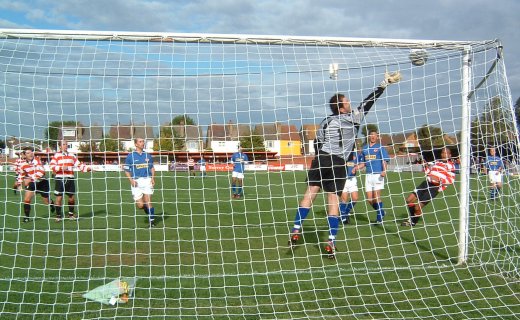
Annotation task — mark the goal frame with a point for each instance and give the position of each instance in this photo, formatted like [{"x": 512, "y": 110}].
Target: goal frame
[{"x": 463, "y": 46}]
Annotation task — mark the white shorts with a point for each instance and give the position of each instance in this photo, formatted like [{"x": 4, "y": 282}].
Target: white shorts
[
  {"x": 144, "y": 186},
  {"x": 202, "y": 168},
  {"x": 495, "y": 176},
  {"x": 238, "y": 175},
  {"x": 350, "y": 185},
  {"x": 374, "y": 182}
]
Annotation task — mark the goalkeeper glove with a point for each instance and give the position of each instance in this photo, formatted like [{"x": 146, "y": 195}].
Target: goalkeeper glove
[{"x": 390, "y": 77}]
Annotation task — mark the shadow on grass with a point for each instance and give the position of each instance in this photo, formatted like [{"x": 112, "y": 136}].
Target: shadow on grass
[
  {"x": 98, "y": 213},
  {"x": 309, "y": 235},
  {"x": 422, "y": 244},
  {"x": 361, "y": 217},
  {"x": 158, "y": 219}
]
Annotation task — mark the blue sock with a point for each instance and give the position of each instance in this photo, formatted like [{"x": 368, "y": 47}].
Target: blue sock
[
  {"x": 333, "y": 227},
  {"x": 146, "y": 210},
  {"x": 380, "y": 212},
  {"x": 342, "y": 208},
  {"x": 301, "y": 214},
  {"x": 240, "y": 190},
  {"x": 234, "y": 189},
  {"x": 151, "y": 216},
  {"x": 350, "y": 206},
  {"x": 346, "y": 210}
]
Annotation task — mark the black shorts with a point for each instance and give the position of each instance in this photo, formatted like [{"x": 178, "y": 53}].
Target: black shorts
[
  {"x": 426, "y": 191},
  {"x": 41, "y": 187},
  {"x": 64, "y": 185},
  {"x": 328, "y": 172}
]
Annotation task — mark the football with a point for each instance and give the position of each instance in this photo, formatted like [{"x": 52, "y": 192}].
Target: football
[{"x": 418, "y": 57}]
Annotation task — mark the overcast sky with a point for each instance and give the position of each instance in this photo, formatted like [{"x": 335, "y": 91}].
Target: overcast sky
[{"x": 399, "y": 19}]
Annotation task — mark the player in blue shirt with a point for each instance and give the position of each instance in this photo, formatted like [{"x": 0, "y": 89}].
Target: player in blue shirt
[
  {"x": 495, "y": 168},
  {"x": 349, "y": 197},
  {"x": 202, "y": 166},
  {"x": 140, "y": 172},
  {"x": 239, "y": 160},
  {"x": 375, "y": 158}
]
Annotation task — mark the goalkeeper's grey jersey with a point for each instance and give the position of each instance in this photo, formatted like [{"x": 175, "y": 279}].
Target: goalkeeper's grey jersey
[{"x": 337, "y": 133}]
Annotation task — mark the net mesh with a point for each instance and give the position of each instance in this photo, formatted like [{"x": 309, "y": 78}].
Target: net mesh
[{"x": 211, "y": 255}]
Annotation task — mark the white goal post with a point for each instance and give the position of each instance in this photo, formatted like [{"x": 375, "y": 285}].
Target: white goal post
[{"x": 211, "y": 254}]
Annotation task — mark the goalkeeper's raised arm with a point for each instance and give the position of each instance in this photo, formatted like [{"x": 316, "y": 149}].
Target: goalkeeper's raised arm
[{"x": 368, "y": 102}]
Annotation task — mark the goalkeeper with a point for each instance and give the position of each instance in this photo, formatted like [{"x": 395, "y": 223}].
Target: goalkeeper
[{"x": 335, "y": 139}]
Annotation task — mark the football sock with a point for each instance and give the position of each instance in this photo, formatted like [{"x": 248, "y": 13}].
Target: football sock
[
  {"x": 26, "y": 209},
  {"x": 234, "y": 188},
  {"x": 380, "y": 212},
  {"x": 301, "y": 214},
  {"x": 240, "y": 190},
  {"x": 345, "y": 209},
  {"x": 58, "y": 211},
  {"x": 151, "y": 216},
  {"x": 333, "y": 227},
  {"x": 342, "y": 208},
  {"x": 146, "y": 210},
  {"x": 350, "y": 206},
  {"x": 411, "y": 209}
]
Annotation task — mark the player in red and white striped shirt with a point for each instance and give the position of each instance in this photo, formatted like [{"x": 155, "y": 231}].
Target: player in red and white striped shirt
[
  {"x": 191, "y": 166},
  {"x": 62, "y": 165},
  {"x": 439, "y": 175},
  {"x": 32, "y": 177},
  {"x": 17, "y": 186}
]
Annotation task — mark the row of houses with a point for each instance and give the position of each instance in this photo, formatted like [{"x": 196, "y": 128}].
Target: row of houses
[{"x": 282, "y": 139}]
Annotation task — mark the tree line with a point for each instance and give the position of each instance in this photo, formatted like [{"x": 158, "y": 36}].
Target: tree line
[{"x": 492, "y": 127}]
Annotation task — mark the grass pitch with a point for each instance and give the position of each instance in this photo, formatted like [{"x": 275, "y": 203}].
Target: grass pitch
[{"x": 211, "y": 257}]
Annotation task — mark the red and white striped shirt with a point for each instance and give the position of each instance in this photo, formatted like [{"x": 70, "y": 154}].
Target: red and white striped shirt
[
  {"x": 443, "y": 172},
  {"x": 32, "y": 169},
  {"x": 18, "y": 166},
  {"x": 63, "y": 164}
]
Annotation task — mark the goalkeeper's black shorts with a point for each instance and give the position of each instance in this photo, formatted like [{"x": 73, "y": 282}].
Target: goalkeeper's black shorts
[{"x": 328, "y": 172}]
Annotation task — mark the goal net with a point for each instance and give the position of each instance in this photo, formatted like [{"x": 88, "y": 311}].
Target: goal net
[{"x": 215, "y": 254}]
